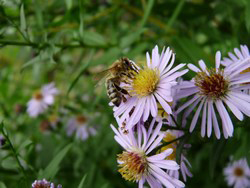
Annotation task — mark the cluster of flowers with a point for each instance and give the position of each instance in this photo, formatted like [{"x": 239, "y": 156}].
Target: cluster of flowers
[
  {"x": 44, "y": 98},
  {"x": 152, "y": 104}
]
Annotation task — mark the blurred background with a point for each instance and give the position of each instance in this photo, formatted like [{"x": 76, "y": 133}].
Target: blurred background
[{"x": 68, "y": 42}]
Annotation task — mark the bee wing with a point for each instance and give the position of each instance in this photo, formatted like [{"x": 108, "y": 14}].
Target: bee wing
[{"x": 101, "y": 77}]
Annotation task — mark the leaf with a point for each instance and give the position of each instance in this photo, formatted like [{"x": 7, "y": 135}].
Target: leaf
[
  {"x": 215, "y": 155},
  {"x": 2, "y": 185},
  {"x": 94, "y": 39},
  {"x": 69, "y": 4},
  {"x": 53, "y": 167},
  {"x": 23, "y": 25},
  {"x": 81, "y": 71},
  {"x": 147, "y": 12},
  {"x": 131, "y": 38},
  {"x": 25, "y": 144},
  {"x": 247, "y": 16},
  {"x": 81, "y": 25},
  {"x": 82, "y": 181}
]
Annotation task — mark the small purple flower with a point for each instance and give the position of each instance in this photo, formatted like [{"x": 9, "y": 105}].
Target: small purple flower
[
  {"x": 213, "y": 90},
  {"x": 44, "y": 184},
  {"x": 237, "y": 174},
  {"x": 138, "y": 163}
]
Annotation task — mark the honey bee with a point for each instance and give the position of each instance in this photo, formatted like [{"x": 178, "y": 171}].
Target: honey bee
[{"x": 120, "y": 71}]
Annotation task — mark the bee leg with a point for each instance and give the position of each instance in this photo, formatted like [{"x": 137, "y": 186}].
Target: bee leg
[{"x": 124, "y": 98}]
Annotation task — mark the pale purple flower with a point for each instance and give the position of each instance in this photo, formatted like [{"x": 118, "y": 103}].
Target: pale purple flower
[
  {"x": 79, "y": 124},
  {"x": 237, "y": 174},
  {"x": 2, "y": 141},
  {"x": 138, "y": 162},
  {"x": 42, "y": 100},
  {"x": 213, "y": 90},
  {"x": 44, "y": 184},
  {"x": 240, "y": 55},
  {"x": 150, "y": 88}
]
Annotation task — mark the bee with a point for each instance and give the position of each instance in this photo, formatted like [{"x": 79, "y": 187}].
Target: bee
[{"x": 121, "y": 70}]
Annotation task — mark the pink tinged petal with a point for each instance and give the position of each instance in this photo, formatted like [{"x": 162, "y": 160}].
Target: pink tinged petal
[
  {"x": 163, "y": 180},
  {"x": 153, "y": 182},
  {"x": 193, "y": 67},
  {"x": 155, "y": 143},
  {"x": 238, "y": 53},
  {"x": 151, "y": 128},
  {"x": 226, "y": 61},
  {"x": 154, "y": 135},
  {"x": 160, "y": 156},
  {"x": 154, "y": 109},
  {"x": 165, "y": 59},
  {"x": 173, "y": 71},
  {"x": 185, "y": 105},
  {"x": 167, "y": 164},
  {"x": 164, "y": 96},
  {"x": 164, "y": 104},
  {"x": 147, "y": 109},
  {"x": 155, "y": 57},
  {"x": 141, "y": 110},
  {"x": 157, "y": 172},
  {"x": 189, "y": 110},
  {"x": 137, "y": 111},
  {"x": 141, "y": 182},
  {"x": 234, "y": 109},
  {"x": 209, "y": 119},
  {"x": 145, "y": 137},
  {"x": 227, "y": 123},
  {"x": 242, "y": 96},
  {"x": 232, "y": 56},
  {"x": 217, "y": 60},
  {"x": 203, "y": 123},
  {"x": 186, "y": 93},
  {"x": 195, "y": 118},
  {"x": 202, "y": 66},
  {"x": 148, "y": 60},
  {"x": 240, "y": 104},
  {"x": 165, "y": 70},
  {"x": 174, "y": 75},
  {"x": 215, "y": 124},
  {"x": 139, "y": 136}
]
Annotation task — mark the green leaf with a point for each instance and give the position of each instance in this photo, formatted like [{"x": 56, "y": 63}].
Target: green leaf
[
  {"x": 69, "y": 4},
  {"x": 131, "y": 38},
  {"x": 147, "y": 12},
  {"x": 94, "y": 39},
  {"x": 81, "y": 71},
  {"x": 82, "y": 181},
  {"x": 25, "y": 144},
  {"x": 23, "y": 25},
  {"x": 2, "y": 185},
  {"x": 53, "y": 167},
  {"x": 81, "y": 25},
  {"x": 247, "y": 16}
]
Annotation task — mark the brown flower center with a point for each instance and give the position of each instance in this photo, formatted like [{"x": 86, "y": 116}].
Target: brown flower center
[
  {"x": 132, "y": 165},
  {"x": 38, "y": 96},
  {"x": 214, "y": 85},
  {"x": 81, "y": 120},
  {"x": 238, "y": 172}
]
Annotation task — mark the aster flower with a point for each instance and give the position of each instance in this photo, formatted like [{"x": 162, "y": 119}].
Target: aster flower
[
  {"x": 240, "y": 55},
  {"x": 42, "y": 99},
  {"x": 150, "y": 88},
  {"x": 80, "y": 125},
  {"x": 44, "y": 184},
  {"x": 215, "y": 89},
  {"x": 138, "y": 164},
  {"x": 171, "y": 135},
  {"x": 237, "y": 174},
  {"x": 2, "y": 141}
]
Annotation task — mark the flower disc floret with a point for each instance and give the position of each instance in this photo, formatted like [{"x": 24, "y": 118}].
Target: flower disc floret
[
  {"x": 133, "y": 165},
  {"x": 145, "y": 82},
  {"x": 214, "y": 85}
]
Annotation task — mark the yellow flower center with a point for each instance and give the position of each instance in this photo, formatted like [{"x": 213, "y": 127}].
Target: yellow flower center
[
  {"x": 38, "y": 95},
  {"x": 145, "y": 82},
  {"x": 214, "y": 85},
  {"x": 168, "y": 138},
  {"x": 80, "y": 120},
  {"x": 133, "y": 165},
  {"x": 238, "y": 172}
]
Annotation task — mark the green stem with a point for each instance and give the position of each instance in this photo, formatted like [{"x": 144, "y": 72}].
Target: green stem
[
  {"x": 176, "y": 13},
  {"x": 13, "y": 150}
]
